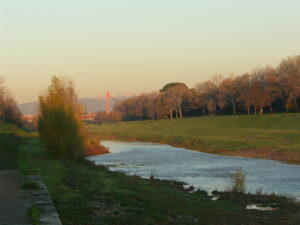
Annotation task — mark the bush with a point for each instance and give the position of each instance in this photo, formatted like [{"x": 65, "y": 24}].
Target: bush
[
  {"x": 93, "y": 147},
  {"x": 59, "y": 122},
  {"x": 238, "y": 182}
]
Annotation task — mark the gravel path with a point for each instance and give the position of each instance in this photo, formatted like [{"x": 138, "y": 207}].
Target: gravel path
[{"x": 15, "y": 203}]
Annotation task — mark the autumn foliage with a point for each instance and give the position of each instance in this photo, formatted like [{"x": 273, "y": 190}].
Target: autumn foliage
[
  {"x": 59, "y": 123},
  {"x": 9, "y": 112},
  {"x": 264, "y": 90}
]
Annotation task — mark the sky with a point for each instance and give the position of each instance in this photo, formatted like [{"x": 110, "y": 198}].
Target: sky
[{"x": 134, "y": 46}]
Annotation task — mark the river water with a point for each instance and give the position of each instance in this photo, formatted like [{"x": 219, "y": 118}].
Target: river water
[{"x": 201, "y": 170}]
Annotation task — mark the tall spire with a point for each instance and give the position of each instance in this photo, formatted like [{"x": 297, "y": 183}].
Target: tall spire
[{"x": 107, "y": 103}]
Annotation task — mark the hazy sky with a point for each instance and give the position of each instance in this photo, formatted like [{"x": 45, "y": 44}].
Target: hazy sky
[{"x": 132, "y": 46}]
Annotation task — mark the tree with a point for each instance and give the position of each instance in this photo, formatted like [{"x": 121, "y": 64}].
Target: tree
[
  {"x": 174, "y": 93},
  {"x": 289, "y": 71},
  {"x": 59, "y": 122},
  {"x": 152, "y": 105},
  {"x": 102, "y": 116},
  {"x": 229, "y": 93},
  {"x": 9, "y": 111},
  {"x": 209, "y": 95},
  {"x": 271, "y": 87},
  {"x": 264, "y": 89}
]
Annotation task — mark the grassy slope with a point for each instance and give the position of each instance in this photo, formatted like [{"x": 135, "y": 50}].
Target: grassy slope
[
  {"x": 87, "y": 194},
  {"x": 270, "y": 136}
]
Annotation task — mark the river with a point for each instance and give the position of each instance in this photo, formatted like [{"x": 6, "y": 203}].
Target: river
[{"x": 201, "y": 170}]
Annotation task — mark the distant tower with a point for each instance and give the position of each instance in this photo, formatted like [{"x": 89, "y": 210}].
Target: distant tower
[{"x": 107, "y": 103}]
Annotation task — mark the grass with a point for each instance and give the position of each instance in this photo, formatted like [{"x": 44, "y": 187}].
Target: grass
[
  {"x": 274, "y": 136},
  {"x": 9, "y": 143},
  {"x": 35, "y": 215},
  {"x": 246, "y": 198},
  {"x": 87, "y": 194},
  {"x": 30, "y": 185}
]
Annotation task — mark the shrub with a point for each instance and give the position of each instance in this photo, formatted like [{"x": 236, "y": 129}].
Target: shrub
[
  {"x": 238, "y": 181},
  {"x": 27, "y": 169},
  {"x": 93, "y": 147},
  {"x": 59, "y": 123}
]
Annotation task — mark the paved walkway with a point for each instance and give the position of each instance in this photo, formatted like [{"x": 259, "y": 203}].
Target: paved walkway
[{"x": 15, "y": 203}]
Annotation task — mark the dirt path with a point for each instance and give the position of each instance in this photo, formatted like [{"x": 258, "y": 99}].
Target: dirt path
[{"x": 15, "y": 203}]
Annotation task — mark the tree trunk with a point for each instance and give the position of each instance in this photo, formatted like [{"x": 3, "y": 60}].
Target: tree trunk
[
  {"x": 180, "y": 114},
  {"x": 261, "y": 110},
  {"x": 171, "y": 115},
  {"x": 271, "y": 109},
  {"x": 234, "y": 111},
  {"x": 296, "y": 103},
  {"x": 233, "y": 106}
]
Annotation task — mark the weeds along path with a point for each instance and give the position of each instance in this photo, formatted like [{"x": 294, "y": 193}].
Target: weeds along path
[{"x": 15, "y": 202}]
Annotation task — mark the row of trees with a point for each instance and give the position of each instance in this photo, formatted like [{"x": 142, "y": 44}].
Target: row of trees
[
  {"x": 263, "y": 90},
  {"x": 9, "y": 112}
]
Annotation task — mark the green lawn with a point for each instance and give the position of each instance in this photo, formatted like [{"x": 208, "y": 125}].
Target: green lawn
[{"x": 274, "y": 136}]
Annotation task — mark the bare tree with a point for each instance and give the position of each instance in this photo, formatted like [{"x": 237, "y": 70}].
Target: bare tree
[
  {"x": 264, "y": 89},
  {"x": 175, "y": 94},
  {"x": 229, "y": 93},
  {"x": 289, "y": 70},
  {"x": 9, "y": 111}
]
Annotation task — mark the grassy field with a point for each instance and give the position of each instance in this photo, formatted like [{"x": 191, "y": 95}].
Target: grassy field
[
  {"x": 274, "y": 136},
  {"x": 85, "y": 194}
]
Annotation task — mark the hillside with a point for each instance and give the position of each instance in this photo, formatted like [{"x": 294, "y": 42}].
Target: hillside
[
  {"x": 90, "y": 104},
  {"x": 274, "y": 136}
]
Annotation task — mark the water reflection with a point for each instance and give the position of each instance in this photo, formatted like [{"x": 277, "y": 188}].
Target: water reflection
[{"x": 202, "y": 170}]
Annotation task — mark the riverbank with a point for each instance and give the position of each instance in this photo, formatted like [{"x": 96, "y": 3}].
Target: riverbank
[
  {"x": 87, "y": 194},
  {"x": 275, "y": 136},
  {"x": 201, "y": 170}
]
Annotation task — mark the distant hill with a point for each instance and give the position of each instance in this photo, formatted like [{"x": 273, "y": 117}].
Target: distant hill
[
  {"x": 90, "y": 104},
  {"x": 29, "y": 108}
]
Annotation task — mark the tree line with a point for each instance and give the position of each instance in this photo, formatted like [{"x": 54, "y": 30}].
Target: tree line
[
  {"x": 265, "y": 90},
  {"x": 9, "y": 112}
]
